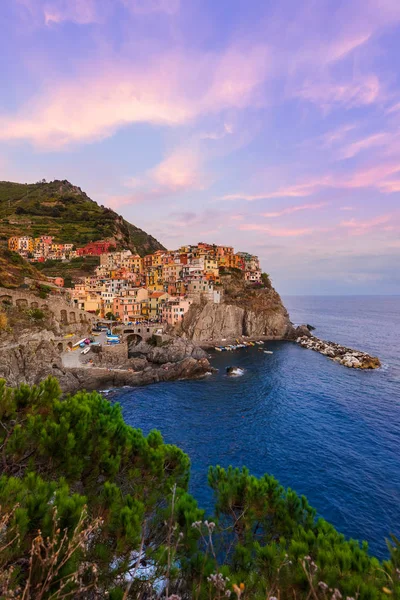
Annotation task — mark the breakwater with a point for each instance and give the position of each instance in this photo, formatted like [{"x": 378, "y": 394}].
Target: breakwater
[{"x": 353, "y": 359}]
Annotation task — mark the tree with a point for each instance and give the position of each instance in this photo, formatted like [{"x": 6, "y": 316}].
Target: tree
[
  {"x": 110, "y": 316},
  {"x": 90, "y": 507},
  {"x": 68, "y": 283}
]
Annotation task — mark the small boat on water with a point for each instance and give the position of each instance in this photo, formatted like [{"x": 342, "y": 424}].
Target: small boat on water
[{"x": 268, "y": 352}]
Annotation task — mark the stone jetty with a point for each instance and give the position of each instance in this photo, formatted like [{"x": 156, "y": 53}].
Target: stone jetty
[{"x": 353, "y": 359}]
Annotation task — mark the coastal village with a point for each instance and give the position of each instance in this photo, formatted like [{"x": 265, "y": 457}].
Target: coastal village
[{"x": 158, "y": 287}]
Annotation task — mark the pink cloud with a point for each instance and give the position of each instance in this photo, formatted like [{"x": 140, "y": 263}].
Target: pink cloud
[
  {"x": 357, "y": 227},
  {"x": 337, "y": 135},
  {"x": 329, "y": 94},
  {"x": 372, "y": 141},
  {"x": 180, "y": 171},
  {"x": 292, "y": 209},
  {"x": 296, "y": 191},
  {"x": 172, "y": 90},
  {"x": 371, "y": 177},
  {"x": 277, "y": 232},
  {"x": 374, "y": 177},
  {"x": 393, "y": 109}
]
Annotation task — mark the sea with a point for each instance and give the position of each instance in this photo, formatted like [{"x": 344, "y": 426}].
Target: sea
[{"x": 328, "y": 432}]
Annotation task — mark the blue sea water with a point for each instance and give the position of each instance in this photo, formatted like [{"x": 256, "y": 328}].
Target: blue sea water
[{"x": 328, "y": 432}]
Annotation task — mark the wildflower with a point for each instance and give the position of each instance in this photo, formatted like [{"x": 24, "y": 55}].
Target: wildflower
[
  {"x": 237, "y": 590},
  {"x": 323, "y": 585}
]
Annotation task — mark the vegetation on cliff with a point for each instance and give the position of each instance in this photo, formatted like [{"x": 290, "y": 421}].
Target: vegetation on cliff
[
  {"x": 64, "y": 211},
  {"x": 91, "y": 508},
  {"x": 14, "y": 269}
]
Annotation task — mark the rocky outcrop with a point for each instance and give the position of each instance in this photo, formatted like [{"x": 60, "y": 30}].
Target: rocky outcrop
[
  {"x": 30, "y": 361},
  {"x": 98, "y": 378},
  {"x": 353, "y": 359},
  {"x": 253, "y": 313},
  {"x": 140, "y": 365},
  {"x": 37, "y": 357}
]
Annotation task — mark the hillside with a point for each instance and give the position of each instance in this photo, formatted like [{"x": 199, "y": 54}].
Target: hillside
[
  {"x": 14, "y": 269},
  {"x": 64, "y": 211}
]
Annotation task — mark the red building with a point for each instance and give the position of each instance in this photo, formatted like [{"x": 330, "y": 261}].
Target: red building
[{"x": 94, "y": 248}]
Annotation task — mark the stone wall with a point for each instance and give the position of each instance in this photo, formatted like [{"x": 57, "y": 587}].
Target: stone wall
[
  {"x": 144, "y": 332},
  {"x": 63, "y": 311}
]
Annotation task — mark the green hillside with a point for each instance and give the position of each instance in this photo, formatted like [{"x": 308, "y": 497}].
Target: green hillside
[
  {"x": 14, "y": 269},
  {"x": 62, "y": 210}
]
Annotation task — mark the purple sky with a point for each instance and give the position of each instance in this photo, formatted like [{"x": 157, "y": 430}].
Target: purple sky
[{"x": 270, "y": 126}]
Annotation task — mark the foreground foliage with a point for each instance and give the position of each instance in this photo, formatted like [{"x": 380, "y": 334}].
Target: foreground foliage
[{"x": 91, "y": 508}]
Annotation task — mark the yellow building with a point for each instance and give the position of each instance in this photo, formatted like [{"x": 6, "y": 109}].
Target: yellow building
[
  {"x": 13, "y": 244},
  {"x": 154, "y": 279},
  {"x": 156, "y": 301},
  {"x": 158, "y": 258},
  {"x": 25, "y": 244},
  {"x": 210, "y": 264},
  {"x": 135, "y": 263},
  {"x": 227, "y": 260}
]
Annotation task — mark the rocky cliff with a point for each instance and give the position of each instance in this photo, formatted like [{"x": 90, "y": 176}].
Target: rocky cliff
[
  {"x": 35, "y": 336},
  {"x": 244, "y": 311}
]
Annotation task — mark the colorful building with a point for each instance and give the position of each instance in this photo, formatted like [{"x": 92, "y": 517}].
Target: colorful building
[{"x": 94, "y": 248}]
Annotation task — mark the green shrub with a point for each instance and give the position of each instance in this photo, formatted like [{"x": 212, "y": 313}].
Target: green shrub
[
  {"x": 36, "y": 314},
  {"x": 73, "y": 470}
]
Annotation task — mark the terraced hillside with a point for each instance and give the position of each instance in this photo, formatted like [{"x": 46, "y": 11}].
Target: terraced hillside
[{"x": 64, "y": 211}]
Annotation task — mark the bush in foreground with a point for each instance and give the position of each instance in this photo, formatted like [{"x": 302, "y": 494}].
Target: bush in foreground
[{"x": 91, "y": 508}]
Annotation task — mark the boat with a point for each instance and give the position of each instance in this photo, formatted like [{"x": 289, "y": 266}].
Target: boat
[
  {"x": 85, "y": 350},
  {"x": 268, "y": 352},
  {"x": 218, "y": 349},
  {"x": 79, "y": 343}
]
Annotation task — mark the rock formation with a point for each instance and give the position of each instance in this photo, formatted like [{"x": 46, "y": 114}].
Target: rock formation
[
  {"x": 244, "y": 310},
  {"x": 353, "y": 359}
]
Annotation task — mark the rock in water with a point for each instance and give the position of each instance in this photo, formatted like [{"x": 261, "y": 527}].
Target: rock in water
[{"x": 352, "y": 359}]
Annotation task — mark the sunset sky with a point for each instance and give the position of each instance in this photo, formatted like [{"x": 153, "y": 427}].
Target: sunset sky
[{"x": 272, "y": 126}]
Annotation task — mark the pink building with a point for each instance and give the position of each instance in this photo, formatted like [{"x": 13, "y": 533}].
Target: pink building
[{"x": 174, "y": 310}]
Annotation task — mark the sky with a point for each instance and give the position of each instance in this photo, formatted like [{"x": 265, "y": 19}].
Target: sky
[{"x": 270, "y": 126}]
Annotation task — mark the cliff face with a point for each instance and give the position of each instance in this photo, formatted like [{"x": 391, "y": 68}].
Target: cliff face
[{"x": 244, "y": 311}]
